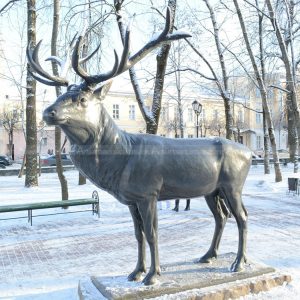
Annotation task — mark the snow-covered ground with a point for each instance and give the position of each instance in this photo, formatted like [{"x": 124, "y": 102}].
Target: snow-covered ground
[{"x": 46, "y": 261}]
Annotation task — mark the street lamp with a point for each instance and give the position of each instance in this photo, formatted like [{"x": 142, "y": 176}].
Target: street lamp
[{"x": 197, "y": 107}]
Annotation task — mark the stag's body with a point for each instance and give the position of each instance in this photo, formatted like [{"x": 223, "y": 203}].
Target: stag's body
[
  {"x": 136, "y": 166},
  {"x": 140, "y": 170}
]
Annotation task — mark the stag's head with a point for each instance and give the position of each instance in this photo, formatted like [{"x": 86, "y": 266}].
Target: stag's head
[{"x": 78, "y": 110}]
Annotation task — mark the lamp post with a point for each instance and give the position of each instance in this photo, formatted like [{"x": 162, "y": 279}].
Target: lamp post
[{"x": 197, "y": 107}]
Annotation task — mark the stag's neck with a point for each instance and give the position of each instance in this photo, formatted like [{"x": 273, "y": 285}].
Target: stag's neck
[
  {"x": 110, "y": 134},
  {"x": 104, "y": 160}
]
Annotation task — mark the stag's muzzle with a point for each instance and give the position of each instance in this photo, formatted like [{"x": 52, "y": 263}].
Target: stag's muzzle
[{"x": 51, "y": 116}]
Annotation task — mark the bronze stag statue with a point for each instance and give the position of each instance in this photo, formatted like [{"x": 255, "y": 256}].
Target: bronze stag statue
[{"x": 141, "y": 169}]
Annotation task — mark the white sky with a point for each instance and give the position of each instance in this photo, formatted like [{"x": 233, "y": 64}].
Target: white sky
[{"x": 13, "y": 32}]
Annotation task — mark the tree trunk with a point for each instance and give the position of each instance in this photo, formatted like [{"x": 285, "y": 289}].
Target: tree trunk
[
  {"x": 31, "y": 178},
  {"x": 263, "y": 74},
  {"x": 292, "y": 133},
  {"x": 59, "y": 168},
  {"x": 228, "y": 118},
  {"x": 161, "y": 65},
  {"x": 81, "y": 179},
  {"x": 23, "y": 165},
  {"x": 266, "y": 146}
]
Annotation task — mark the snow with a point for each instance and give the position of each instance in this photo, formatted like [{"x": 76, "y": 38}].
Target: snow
[{"x": 80, "y": 245}]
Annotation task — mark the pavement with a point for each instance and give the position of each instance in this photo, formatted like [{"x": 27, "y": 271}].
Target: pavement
[{"x": 72, "y": 246}]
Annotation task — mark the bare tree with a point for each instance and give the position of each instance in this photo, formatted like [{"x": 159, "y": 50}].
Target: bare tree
[
  {"x": 173, "y": 125},
  {"x": 223, "y": 81},
  {"x": 263, "y": 92},
  {"x": 59, "y": 168},
  {"x": 151, "y": 117},
  {"x": 176, "y": 57},
  {"x": 10, "y": 119},
  {"x": 290, "y": 69},
  {"x": 31, "y": 178},
  {"x": 261, "y": 16},
  {"x": 215, "y": 126}
]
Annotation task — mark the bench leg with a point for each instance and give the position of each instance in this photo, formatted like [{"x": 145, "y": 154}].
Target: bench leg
[
  {"x": 96, "y": 206},
  {"x": 30, "y": 216}
]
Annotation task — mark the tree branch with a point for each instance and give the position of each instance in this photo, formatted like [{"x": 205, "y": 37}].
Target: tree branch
[
  {"x": 279, "y": 88},
  {"x": 244, "y": 68},
  {"x": 12, "y": 2},
  {"x": 192, "y": 70},
  {"x": 196, "y": 51},
  {"x": 258, "y": 9}
]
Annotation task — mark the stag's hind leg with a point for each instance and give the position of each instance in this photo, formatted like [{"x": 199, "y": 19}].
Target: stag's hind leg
[
  {"x": 239, "y": 211},
  {"x": 220, "y": 213},
  {"x": 140, "y": 237}
]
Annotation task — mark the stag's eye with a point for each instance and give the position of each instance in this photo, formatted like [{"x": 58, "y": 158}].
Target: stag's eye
[{"x": 83, "y": 101}]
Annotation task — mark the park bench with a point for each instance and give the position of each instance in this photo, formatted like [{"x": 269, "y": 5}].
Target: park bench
[{"x": 94, "y": 201}]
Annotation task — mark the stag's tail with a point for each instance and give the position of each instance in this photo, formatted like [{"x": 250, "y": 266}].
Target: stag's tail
[{"x": 225, "y": 205}]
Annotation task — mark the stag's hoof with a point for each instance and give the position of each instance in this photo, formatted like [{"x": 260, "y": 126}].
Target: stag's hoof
[
  {"x": 135, "y": 276},
  {"x": 208, "y": 258},
  {"x": 150, "y": 279},
  {"x": 238, "y": 265}
]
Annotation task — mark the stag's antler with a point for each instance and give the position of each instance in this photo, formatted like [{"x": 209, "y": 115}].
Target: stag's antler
[
  {"x": 33, "y": 59},
  {"x": 126, "y": 62},
  {"x": 65, "y": 65},
  {"x": 118, "y": 68}
]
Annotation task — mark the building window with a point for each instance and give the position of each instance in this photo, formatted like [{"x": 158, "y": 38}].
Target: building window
[
  {"x": 270, "y": 94},
  {"x": 258, "y": 142},
  {"x": 190, "y": 114},
  {"x": 216, "y": 114},
  {"x": 15, "y": 114},
  {"x": 176, "y": 112},
  {"x": 257, "y": 93},
  {"x": 163, "y": 114},
  {"x": 240, "y": 116},
  {"x": 116, "y": 112},
  {"x": 258, "y": 118},
  {"x": 44, "y": 141},
  {"x": 132, "y": 112}
]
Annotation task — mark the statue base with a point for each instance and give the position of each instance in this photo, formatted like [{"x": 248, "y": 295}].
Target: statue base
[{"x": 203, "y": 281}]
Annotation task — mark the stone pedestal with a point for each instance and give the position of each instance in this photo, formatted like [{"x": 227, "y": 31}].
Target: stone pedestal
[{"x": 192, "y": 280}]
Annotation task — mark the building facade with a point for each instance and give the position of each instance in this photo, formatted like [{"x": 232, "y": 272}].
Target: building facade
[{"x": 177, "y": 119}]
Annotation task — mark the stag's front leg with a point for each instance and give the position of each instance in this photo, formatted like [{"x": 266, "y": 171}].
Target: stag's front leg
[
  {"x": 148, "y": 211},
  {"x": 140, "y": 236}
]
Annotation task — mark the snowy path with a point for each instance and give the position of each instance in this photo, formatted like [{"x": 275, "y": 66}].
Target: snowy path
[{"x": 46, "y": 260}]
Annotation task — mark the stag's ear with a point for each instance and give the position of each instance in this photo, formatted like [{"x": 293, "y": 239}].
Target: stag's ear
[{"x": 101, "y": 92}]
